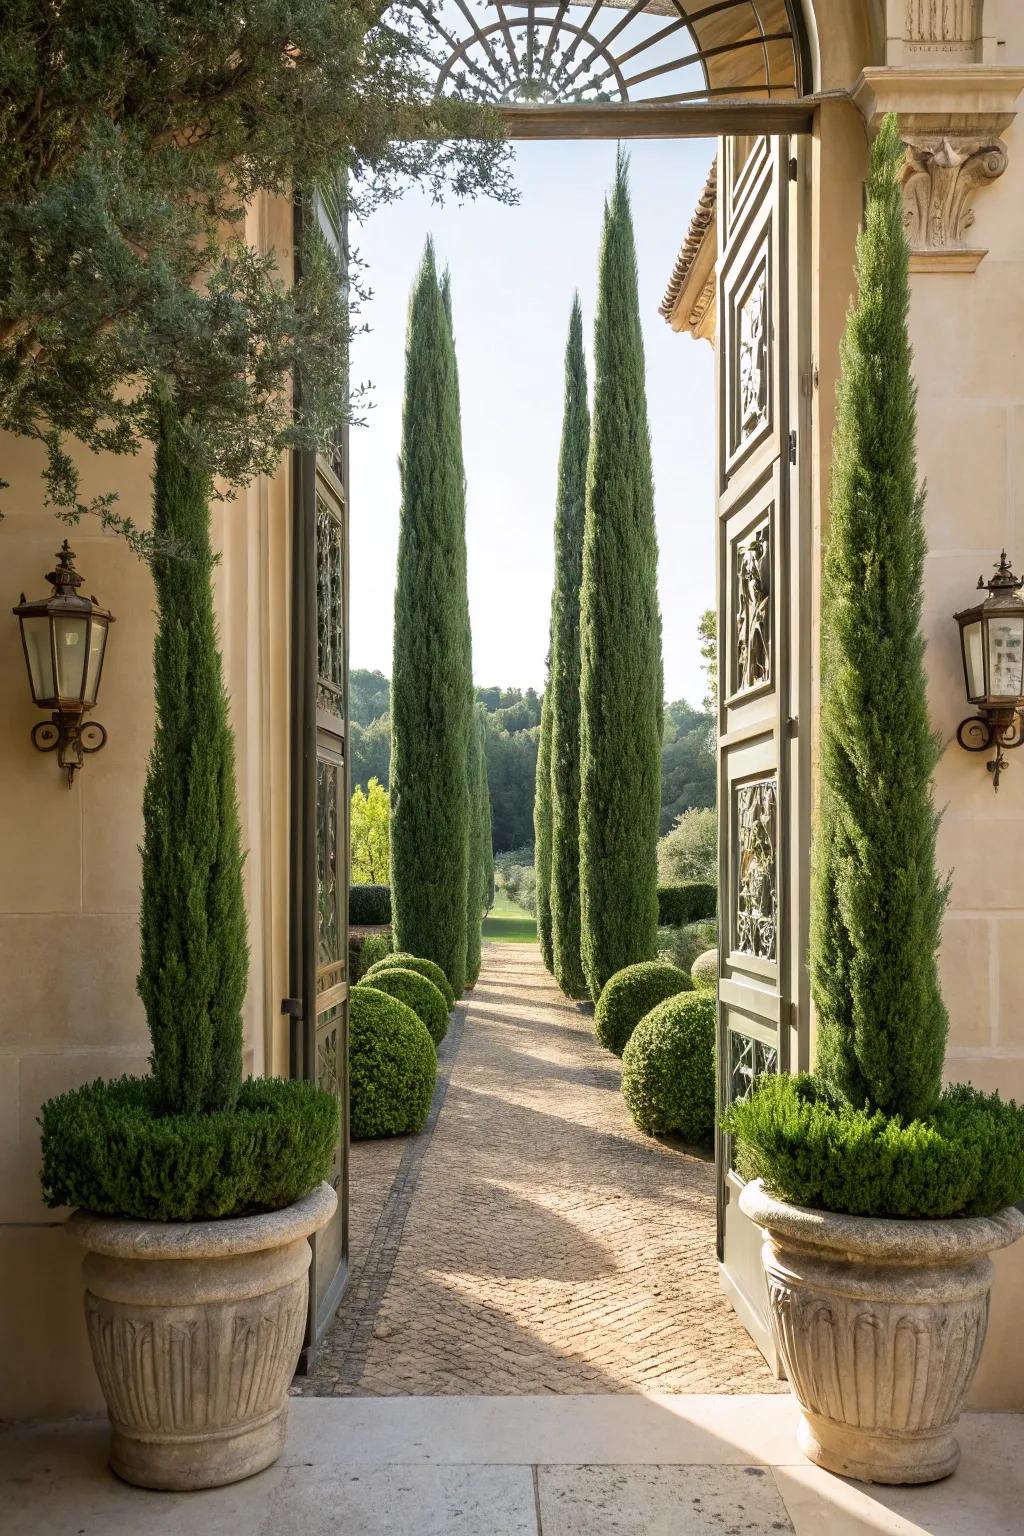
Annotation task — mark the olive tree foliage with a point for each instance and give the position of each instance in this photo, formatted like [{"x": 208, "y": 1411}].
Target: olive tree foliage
[{"x": 134, "y": 137}]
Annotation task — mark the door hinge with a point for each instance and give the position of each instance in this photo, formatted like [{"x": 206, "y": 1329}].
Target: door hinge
[
  {"x": 292, "y": 1006},
  {"x": 792, "y": 447},
  {"x": 793, "y": 169}
]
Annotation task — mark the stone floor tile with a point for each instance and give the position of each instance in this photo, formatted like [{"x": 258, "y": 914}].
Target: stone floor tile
[
  {"x": 661, "y": 1501},
  {"x": 403, "y": 1501}
]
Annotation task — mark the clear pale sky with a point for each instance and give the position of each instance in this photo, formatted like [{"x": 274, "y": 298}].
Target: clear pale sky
[{"x": 513, "y": 275}]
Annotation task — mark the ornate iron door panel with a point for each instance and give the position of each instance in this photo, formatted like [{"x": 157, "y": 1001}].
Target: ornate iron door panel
[{"x": 763, "y": 533}]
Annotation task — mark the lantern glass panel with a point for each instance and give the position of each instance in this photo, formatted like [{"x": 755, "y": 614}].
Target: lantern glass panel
[
  {"x": 974, "y": 660},
  {"x": 40, "y": 658},
  {"x": 97, "y": 645},
  {"x": 1006, "y": 655},
  {"x": 70, "y": 643}
]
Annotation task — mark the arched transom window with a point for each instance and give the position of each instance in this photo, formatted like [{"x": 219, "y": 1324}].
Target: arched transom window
[{"x": 654, "y": 51}]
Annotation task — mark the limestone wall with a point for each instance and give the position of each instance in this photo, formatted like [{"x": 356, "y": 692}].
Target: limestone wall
[{"x": 69, "y": 864}]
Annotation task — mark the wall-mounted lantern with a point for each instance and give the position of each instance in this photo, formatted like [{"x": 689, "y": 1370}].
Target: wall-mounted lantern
[
  {"x": 65, "y": 640},
  {"x": 992, "y": 645}
]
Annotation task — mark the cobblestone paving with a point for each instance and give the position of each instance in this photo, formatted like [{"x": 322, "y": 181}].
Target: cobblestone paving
[{"x": 531, "y": 1240}]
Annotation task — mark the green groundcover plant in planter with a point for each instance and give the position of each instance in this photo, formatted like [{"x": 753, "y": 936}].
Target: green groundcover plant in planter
[
  {"x": 880, "y": 1192},
  {"x": 196, "y": 1191}
]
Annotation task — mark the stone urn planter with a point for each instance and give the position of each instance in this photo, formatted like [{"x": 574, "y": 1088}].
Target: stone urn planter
[
  {"x": 195, "y": 1329},
  {"x": 880, "y": 1324}
]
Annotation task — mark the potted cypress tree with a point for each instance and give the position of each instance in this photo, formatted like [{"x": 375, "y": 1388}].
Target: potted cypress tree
[
  {"x": 196, "y": 1191},
  {"x": 880, "y": 1193}
]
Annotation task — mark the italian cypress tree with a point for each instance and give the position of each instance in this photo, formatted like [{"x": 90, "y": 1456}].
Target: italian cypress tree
[
  {"x": 620, "y": 630},
  {"x": 475, "y": 854},
  {"x": 430, "y": 696},
  {"x": 877, "y": 899},
  {"x": 564, "y": 673},
  {"x": 542, "y": 827},
  {"x": 194, "y": 948},
  {"x": 484, "y": 812}
]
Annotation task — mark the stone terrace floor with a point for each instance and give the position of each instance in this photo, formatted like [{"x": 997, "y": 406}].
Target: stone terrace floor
[{"x": 531, "y": 1240}]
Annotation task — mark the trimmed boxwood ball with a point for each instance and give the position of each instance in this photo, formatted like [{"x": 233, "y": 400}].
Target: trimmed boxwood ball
[
  {"x": 421, "y": 995},
  {"x": 392, "y": 1065},
  {"x": 630, "y": 994},
  {"x": 668, "y": 1068},
  {"x": 704, "y": 971},
  {"x": 426, "y": 968},
  {"x": 107, "y": 1149}
]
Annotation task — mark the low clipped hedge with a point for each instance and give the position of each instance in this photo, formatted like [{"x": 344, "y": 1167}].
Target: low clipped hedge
[
  {"x": 668, "y": 1068},
  {"x": 364, "y": 950},
  {"x": 704, "y": 971},
  {"x": 106, "y": 1149},
  {"x": 693, "y": 901},
  {"x": 369, "y": 904},
  {"x": 967, "y": 1159},
  {"x": 392, "y": 1065},
  {"x": 631, "y": 993},
  {"x": 425, "y": 968},
  {"x": 418, "y": 992}
]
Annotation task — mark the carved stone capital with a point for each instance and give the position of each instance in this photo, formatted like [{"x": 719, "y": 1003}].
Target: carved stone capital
[
  {"x": 940, "y": 176},
  {"x": 952, "y": 122}
]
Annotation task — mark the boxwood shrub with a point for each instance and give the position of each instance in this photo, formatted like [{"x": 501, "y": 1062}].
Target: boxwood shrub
[
  {"x": 392, "y": 1065},
  {"x": 693, "y": 901},
  {"x": 704, "y": 971},
  {"x": 631, "y": 993},
  {"x": 106, "y": 1149},
  {"x": 814, "y": 1149},
  {"x": 425, "y": 968},
  {"x": 668, "y": 1068},
  {"x": 369, "y": 904},
  {"x": 420, "y": 994}
]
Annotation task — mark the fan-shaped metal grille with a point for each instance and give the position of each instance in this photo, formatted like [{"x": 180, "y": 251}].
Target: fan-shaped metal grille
[{"x": 655, "y": 51}]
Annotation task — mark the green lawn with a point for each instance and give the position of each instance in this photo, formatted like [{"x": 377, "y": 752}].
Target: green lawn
[{"x": 506, "y": 923}]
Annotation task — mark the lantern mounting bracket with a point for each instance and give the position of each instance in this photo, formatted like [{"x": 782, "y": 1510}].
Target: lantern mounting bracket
[
  {"x": 71, "y": 737},
  {"x": 980, "y": 732}
]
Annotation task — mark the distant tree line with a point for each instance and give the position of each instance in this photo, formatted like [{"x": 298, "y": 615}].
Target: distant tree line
[{"x": 512, "y": 732}]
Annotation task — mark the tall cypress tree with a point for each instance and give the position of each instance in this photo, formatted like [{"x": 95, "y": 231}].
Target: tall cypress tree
[
  {"x": 430, "y": 697},
  {"x": 194, "y": 947},
  {"x": 542, "y": 826},
  {"x": 620, "y": 630},
  {"x": 484, "y": 812},
  {"x": 564, "y": 673},
  {"x": 475, "y": 857},
  {"x": 877, "y": 900}
]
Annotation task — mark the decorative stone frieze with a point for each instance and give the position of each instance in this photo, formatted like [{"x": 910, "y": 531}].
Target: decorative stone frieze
[{"x": 952, "y": 121}]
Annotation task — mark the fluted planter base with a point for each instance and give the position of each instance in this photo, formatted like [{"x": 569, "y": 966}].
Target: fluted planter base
[
  {"x": 880, "y": 1325},
  {"x": 195, "y": 1330}
]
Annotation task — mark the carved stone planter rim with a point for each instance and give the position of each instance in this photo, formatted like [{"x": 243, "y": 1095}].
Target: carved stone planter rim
[
  {"x": 894, "y": 1240},
  {"x": 123, "y": 1238}
]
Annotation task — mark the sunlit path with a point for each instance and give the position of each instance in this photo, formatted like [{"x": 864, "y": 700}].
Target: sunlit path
[{"x": 532, "y": 1240}]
